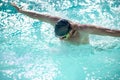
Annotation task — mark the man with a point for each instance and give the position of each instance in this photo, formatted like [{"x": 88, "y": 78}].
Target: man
[{"x": 70, "y": 31}]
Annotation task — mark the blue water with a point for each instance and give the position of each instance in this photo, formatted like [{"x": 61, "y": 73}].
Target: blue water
[{"x": 30, "y": 51}]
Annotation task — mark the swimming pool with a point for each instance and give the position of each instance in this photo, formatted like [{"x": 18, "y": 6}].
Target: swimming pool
[{"x": 30, "y": 51}]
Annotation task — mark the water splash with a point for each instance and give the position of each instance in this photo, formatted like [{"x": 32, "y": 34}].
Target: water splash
[{"x": 29, "y": 49}]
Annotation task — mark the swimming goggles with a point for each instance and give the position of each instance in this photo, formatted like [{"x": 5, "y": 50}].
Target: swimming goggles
[{"x": 65, "y": 36}]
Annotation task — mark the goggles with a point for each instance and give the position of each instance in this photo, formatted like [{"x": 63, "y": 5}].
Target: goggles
[{"x": 65, "y": 36}]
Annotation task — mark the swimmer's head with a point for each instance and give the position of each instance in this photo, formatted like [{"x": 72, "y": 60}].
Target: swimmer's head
[{"x": 62, "y": 28}]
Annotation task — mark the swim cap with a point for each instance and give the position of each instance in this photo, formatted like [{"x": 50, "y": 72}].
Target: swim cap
[{"x": 62, "y": 27}]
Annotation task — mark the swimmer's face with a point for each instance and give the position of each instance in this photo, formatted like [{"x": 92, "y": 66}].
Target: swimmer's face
[
  {"x": 68, "y": 35},
  {"x": 65, "y": 36}
]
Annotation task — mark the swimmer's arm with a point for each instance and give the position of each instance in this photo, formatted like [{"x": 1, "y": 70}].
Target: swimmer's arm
[
  {"x": 42, "y": 17},
  {"x": 91, "y": 29}
]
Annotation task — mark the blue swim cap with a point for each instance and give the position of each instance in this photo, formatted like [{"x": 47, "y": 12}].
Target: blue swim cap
[{"x": 62, "y": 27}]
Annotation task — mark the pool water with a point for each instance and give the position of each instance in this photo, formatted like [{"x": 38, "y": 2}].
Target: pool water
[{"x": 29, "y": 49}]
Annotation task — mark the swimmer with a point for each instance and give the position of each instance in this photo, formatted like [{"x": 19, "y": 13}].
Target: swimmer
[{"x": 67, "y": 30}]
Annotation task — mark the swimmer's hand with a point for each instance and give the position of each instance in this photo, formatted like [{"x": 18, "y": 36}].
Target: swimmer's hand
[{"x": 19, "y": 9}]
